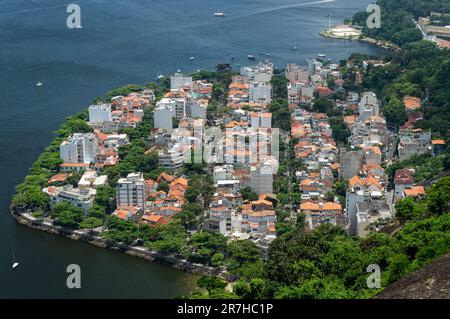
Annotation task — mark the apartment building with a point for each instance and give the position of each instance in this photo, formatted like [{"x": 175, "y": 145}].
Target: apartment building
[
  {"x": 100, "y": 113},
  {"x": 131, "y": 191},
  {"x": 79, "y": 148}
]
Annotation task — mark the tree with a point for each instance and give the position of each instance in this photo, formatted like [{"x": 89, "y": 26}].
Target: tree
[
  {"x": 211, "y": 284},
  {"x": 106, "y": 198},
  {"x": 248, "y": 194},
  {"x": 90, "y": 223},
  {"x": 190, "y": 215},
  {"x": 394, "y": 112},
  {"x": 322, "y": 105},
  {"x": 404, "y": 209},
  {"x": 163, "y": 187},
  {"x": 97, "y": 211},
  {"x": 66, "y": 215}
]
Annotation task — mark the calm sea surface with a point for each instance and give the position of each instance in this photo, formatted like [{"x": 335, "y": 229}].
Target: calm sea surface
[{"x": 122, "y": 41}]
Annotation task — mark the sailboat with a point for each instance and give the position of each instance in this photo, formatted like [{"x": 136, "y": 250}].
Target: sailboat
[{"x": 15, "y": 263}]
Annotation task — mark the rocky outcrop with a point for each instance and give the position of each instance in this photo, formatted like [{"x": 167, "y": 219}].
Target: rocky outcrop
[{"x": 430, "y": 282}]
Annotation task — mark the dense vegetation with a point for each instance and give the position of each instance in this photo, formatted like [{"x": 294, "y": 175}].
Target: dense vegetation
[
  {"x": 420, "y": 68},
  {"x": 326, "y": 263}
]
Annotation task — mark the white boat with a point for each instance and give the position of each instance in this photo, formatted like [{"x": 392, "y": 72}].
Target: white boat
[
  {"x": 251, "y": 57},
  {"x": 39, "y": 84},
  {"x": 219, "y": 14},
  {"x": 160, "y": 77},
  {"x": 191, "y": 58},
  {"x": 321, "y": 55},
  {"x": 15, "y": 263},
  {"x": 79, "y": 27}
]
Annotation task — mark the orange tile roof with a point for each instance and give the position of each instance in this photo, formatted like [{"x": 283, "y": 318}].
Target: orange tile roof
[
  {"x": 327, "y": 206},
  {"x": 306, "y": 182},
  {"x": 260, "y": 213},
  {"x": 262, "y": 202},
  {"x": 164, "y": 177},
  {"x": 240, "y": 86},
  {"x": 355, "y": 180},
  {"x": 58, "y": 178},
  {"x": 438, "y": 142},
  {"x": 411, "y": 102},
  {"x": 179, "y": 180},
  {"x": 415, "y": 191}
]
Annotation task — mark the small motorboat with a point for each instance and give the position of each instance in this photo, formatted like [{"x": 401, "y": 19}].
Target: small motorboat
[
  {"x": 160, "y": 77},
  {"x": 219, "y": 14},
  {"x": 321, "y": 55},
  {"x": 15, "y": 263},
  {"x": 251, "y": 57},
  {"x": 39, "y": 84},
  {"x": 78, "y": 27},
  {"x": 191, "y": 58},
  {"x": 294, "y": 48}
]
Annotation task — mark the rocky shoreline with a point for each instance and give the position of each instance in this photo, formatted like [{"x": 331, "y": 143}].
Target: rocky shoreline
[{"x": 23, "y": 217}]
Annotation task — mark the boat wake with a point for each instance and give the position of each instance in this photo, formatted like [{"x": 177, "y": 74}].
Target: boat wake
[{"x": 288, "y": 6}]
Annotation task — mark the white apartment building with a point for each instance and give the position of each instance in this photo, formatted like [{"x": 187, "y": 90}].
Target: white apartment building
[
  {"x": 113, "y": 141},
  {"x": 100, "y": 113},
  {"x": 262, "y": 179},
  {"x": 162, "y": 117},
  {"x": 262, "y": 72},
  {"x": 178, "y": 82},
  {"x": 295, "y": 73},
  {"x": 131, "y": 191},
  {"x": 368, "y": 106},
  {"x": 83, "y": 198},
  {"x": 79, "y": 148},
  {"x": 258, "y": 120},
  {"x": 350, "y": 163},
  {"x": 413, "y": 142},
  {"x": 260, "y": 92},
  {"x": 172, "y": 158},
  {"x": 198, "y": 110}
]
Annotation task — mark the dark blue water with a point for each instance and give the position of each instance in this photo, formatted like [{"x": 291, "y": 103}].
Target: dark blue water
[{"x": 122, "y": 41}]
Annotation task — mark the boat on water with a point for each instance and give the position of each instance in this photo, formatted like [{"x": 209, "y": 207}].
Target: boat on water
[
  {"x": 294, "y": 48},
  {"x": 219, "y": 14},
  {"x": 79, "y": 27},
  {"x": 15, "y": 263},
  {"x": 191, "y": 58},
  {"x": 160, "y": 77},
  {"x": 268, "y": 54},
  {"x": 321, "y": 55},
  {"x": 39, "y": 84},
  {"x": 251, "y": 57}
]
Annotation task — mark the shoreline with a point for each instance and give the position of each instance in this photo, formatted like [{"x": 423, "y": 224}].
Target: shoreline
[
  {"x": 136, "y": 251},
  {"x": 361, "y": 38}
]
